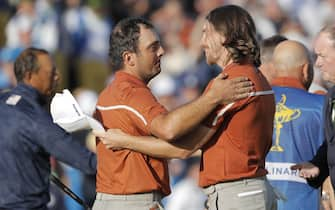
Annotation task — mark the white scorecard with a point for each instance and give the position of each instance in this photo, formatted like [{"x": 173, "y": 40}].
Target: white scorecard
[{"x": 66, "y": 112}]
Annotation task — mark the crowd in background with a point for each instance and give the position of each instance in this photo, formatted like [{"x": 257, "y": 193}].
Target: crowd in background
[{"x": 76, "y": 33}]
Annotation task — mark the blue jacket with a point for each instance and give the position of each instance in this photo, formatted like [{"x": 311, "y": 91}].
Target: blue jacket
[
  {"x": 325, "y": 157},
  {"x": 298, "y": 133},
  {"x": 27, "y": 139}
]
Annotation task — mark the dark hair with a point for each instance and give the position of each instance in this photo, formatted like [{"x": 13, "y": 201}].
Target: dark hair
[
  {"x": 268, "y": 45},
  {"x": 124, "y": 37},
  {"x": 239, "y": 30},
  {"x": 330, "y": 30},
  {"x": 27, "y": 62}
]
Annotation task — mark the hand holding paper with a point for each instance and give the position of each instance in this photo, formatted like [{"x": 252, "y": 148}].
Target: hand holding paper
[{"x": 66, "y": 112}]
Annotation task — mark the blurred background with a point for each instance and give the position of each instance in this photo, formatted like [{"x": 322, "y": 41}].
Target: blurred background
[{"x": 76, "y": 33}]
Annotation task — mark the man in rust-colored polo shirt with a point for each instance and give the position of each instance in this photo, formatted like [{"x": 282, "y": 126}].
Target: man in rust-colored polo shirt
[
  {"x": 132, "y": 180},
  {"x": 232, "y": 170}
]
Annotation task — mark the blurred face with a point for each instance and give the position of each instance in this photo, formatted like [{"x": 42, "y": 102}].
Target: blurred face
[
  {"x": 212, "y": 43},
  {"x": 148, "y": 59},
  {"x": 72, "y": 3},
  {"x": 325, "y": 61},
  {"x": 46, "y": 79}
]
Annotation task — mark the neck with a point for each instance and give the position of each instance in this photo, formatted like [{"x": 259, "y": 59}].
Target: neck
[
  {"x": 223, "y": 63},
  {"x": 288, "y": 81},
  {"x": 135, "y": 74},
  {"x": 42, "y": 99}
]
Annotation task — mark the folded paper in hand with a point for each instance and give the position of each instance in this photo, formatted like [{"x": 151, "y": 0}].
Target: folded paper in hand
[{"x": 66, "y": 112}]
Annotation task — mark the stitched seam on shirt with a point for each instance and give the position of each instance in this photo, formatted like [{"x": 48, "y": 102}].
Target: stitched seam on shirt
[
  {"x": 222, "y": 111},
  {"x": 107, "y": 108}
]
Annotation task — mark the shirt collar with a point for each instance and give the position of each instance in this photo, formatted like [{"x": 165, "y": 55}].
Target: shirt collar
[
  {"x": 287, "y": 82},
  {"x": 231, "y": 65},
  {"x": 30, "y": 92},
  {"x": 126, "y": 76}
]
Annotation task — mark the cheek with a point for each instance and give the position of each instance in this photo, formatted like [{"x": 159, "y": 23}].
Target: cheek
[
  {"x": 328, "y": 65},
  {"x": 214, "y": 49},
  {"x": 203, "y": 42},
  {"x": 51, "y": 81},
  {"x": 153, "y": 59}
]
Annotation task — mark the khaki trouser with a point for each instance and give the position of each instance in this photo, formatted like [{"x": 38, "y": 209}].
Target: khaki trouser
[
  {"x": 246, "y": 194},
  {"x": 143, "y": 201}
]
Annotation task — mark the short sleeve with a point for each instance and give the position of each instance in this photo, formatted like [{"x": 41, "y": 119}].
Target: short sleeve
[
  {"x": 216, "y": 118},
  {"x": 147, "y": 106}
]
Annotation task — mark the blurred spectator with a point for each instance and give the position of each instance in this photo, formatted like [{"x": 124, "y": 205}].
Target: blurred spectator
[
  {"x": 45, "y": 32},
  {"x": 187, "y": 194},
  {"x": 294, "y": 31},
  {"x": 86, "y": 29},
  {"x": 7, "y": 58},
  {"x": 176, "y": 174},
  {"x": 5, "y": 12},
  {"x": 264, "y": 25},
  {"x": 139, "y": 8},
  {"x": 204, "y": 72},
  {"x": 29, "y": 26},
  {"x": 267, "y": 47},
  {"x": 275, "y": 13},
  {"x": 164, "y": 87},
  {"x": 4, "y": 80},
  {"x": 73, "y": 39},
  {"x": 73, "y": 22},
  {"x": 176, "y": 170},
  {"x": 313, "y": 14},
  {"x": 175, "y": 28},
  {"x": 19, "y": 27},
  {"x": 189, "y": 87},
  {"x": 98, "y": 27},
  {"x": 86, "y": 99}
]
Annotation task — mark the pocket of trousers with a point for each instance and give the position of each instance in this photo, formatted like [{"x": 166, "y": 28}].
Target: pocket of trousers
[{"x": 212, "y": 201}]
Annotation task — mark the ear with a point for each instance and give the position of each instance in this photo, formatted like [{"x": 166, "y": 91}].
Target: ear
[
  {"x": 222, "y": 39},
  {"x": 128, "y": 58},
  {"x": 307, "y": 74},
  {"x": 27, "y": 76},
  {"x": 306, "y": 71}
]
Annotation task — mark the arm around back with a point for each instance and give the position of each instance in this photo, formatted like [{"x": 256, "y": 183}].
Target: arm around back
[{"x": 182, "y": 148}]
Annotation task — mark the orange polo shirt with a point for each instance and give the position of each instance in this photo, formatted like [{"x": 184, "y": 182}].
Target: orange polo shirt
[
  {"x": 239, "y": 147},
  {"x": 128, "y": 104}
]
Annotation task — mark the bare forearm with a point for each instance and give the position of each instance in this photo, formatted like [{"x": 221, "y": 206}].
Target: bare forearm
[
  {"x": 183, "y": 119},
  {"x": 156, "y": 147}
]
